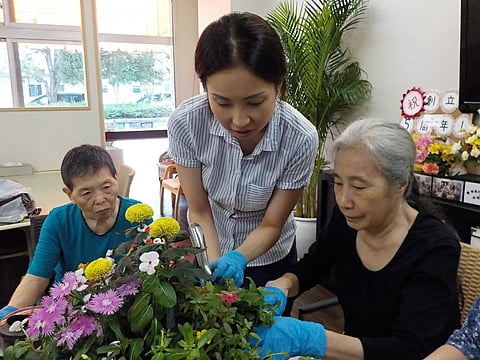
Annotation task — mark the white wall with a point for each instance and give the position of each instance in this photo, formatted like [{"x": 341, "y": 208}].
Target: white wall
[
  {"x": 41, "y": 138},
  {"x": 406, "y": 43},
  {"x": 400, "y": 44}
]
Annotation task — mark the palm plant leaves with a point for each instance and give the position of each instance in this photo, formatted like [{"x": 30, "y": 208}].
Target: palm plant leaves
[{"x": 323, "y": 80}]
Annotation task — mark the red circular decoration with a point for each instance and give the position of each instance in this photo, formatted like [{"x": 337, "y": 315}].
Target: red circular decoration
[{"x": 413, "y": 103}]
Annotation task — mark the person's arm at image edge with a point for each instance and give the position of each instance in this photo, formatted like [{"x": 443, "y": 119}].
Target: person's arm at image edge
[
  {"x": 199, "y": 210},
  {"x": 446, "y": 352},
  {"x": 27, "y": 292}
]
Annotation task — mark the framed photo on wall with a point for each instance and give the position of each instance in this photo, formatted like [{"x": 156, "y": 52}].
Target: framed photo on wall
[
  {"x": 424, "y": 184},
  {"x": 449, "y": 189}
]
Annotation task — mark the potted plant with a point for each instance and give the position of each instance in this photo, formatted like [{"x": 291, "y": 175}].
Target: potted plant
[
  {"x": 323, "y": 80},
  {"x": 145, "y": 300}
]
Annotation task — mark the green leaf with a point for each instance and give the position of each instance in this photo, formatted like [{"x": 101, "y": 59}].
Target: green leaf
[
  {"x": 165, "y": 294},
  {"x": 108, "y": 348},
  {"x": 136, "y": 348},
  {"x": 116, "y": 329},
  {"x": 139, "y": 305},
  {"x": 143, "y": 318},
  {"x": 208, "y": 336}
]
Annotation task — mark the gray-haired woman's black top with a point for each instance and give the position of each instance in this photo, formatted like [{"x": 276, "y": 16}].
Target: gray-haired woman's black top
[{"x": 403, "y": 311}]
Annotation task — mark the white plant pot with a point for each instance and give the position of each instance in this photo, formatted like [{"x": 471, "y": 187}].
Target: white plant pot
[{"x": 306, "y": 234}]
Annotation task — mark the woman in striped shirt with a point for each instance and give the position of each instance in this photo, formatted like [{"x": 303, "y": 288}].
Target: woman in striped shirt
[{"x": 243, "y": 155}]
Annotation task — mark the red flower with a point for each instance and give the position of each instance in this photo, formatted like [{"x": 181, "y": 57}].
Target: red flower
[{"x": 229, "y": 298}]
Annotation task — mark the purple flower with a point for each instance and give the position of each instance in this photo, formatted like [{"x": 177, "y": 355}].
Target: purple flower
[
  {"x": 35, "y": 325},
  {"x": 53, "y": 308},
  {"x": 39, "y": 324},
  {"x": 129, "y": 288},
  {"x": 85, "y": 324},
  {"x": 68, "y": 337},
  {"x": 106, "y": 303},
  {"x": 65, "y": 287}
]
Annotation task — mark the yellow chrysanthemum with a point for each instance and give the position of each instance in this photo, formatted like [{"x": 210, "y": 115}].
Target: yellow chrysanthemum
[
  {"x": 164, "y": 227},
  {"x": 97, "y": 269},
  {"x": 138, "y": 213},
  {"x": 435, "y": 148}
]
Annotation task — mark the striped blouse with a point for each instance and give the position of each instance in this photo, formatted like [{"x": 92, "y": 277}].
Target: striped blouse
[{"x": 239, "y": 186}]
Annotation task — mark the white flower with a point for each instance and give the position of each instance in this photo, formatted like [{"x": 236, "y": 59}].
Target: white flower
[
  {"x": 159, "y": 241},
  {"x": 15, "y": 327},
  {"x": 80, "y": 280},
  {"x": 475, "y": 152},
  {"x": 465, "y": 155},
  {"x": 149, "y": 262},
  {"x": 456, "y": 147}
]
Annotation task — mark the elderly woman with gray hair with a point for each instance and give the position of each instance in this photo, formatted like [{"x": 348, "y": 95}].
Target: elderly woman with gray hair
[{"x": 395, "y": 263}]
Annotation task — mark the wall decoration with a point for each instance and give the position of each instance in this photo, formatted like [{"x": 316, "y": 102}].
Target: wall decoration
[
  {"x": 461, "y": 123},
  {"x": 449, "y": 102},
  {"x": 432, "y": 101},
  {"x": 412, "y": 103}
]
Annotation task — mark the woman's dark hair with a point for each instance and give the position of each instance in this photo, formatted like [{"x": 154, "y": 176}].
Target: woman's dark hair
[
  {"x": 85, "y": 160},
  {"x": 241, "y": 39}
]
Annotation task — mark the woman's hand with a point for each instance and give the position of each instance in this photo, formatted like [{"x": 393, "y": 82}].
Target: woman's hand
[{"x": 230, "y": 266}]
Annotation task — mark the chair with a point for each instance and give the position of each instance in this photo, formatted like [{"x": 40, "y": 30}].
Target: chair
[
  {"x": 468, "y": 276},
  {"x": 125, "y": 178},
  {"x": 36, "y": 223},
  {"x": 163, "y": 161},
  {"x": 171, "y": 183}
]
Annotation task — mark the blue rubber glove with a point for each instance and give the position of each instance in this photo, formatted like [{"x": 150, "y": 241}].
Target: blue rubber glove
[
  {"x": 231, "y": 265},
  {"x": 7, "y": 310},
  {"x": 272, "y": 296},
  {"x": 291, "y": 336}
]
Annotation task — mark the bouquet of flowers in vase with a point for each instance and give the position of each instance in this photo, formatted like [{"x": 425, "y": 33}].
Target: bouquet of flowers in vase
[
  {"x": 434, "y": 154},
  {"x": 468, "y": 148},
  {"x": 145, "y": 300}
]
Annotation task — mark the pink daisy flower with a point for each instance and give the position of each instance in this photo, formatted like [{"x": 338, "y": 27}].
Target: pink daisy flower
[
  {"x": 129, "y": 288},
  {"x": 54, "y": 308},
  {"x": 106, "y": 303},
  {"x": 65, "y": 287},
  {"x": 68, "y": 337},
  {"x": 85, "y": 324}
]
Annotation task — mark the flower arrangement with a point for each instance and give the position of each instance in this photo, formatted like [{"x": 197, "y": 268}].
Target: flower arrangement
[
  {"x": 144, "y": 300},
  {"x": 434, "y": 154},
  {"x": 468, "y": 148}
]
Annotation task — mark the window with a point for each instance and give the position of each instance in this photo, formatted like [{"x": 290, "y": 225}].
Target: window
[
  {"x": 41, "y": 48},
  {"x": 136, "y": 57}
]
